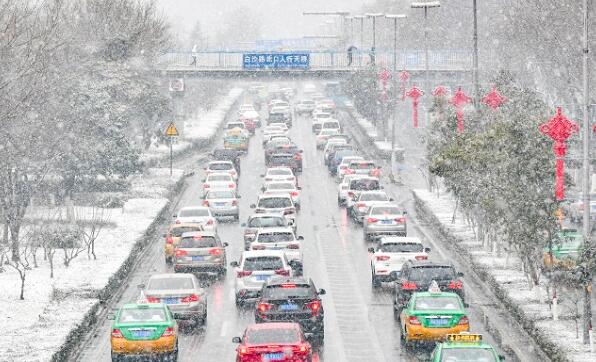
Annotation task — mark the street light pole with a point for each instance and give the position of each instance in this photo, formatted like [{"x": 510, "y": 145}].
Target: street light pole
[
  {"x": 395, "y": 78},
  {"x": 587, "y": 313},
  {"x": 475, "y": 56},
  {"x": 373, "y": 50}
]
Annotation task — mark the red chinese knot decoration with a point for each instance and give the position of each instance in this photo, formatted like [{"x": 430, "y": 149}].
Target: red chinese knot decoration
[
  {"x": 494, "y": 99},
  {"x": 440, "y": 91},
  {"x": 459, "y": 100},
  {"x": 415, "y": 93},
  {"x": 403, "y": 77},
  {"x": 559, "y": 129},
  {"x": 384, "y": 76}
]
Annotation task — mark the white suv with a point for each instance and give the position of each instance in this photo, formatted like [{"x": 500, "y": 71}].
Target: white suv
[{"x": 390, "y": 255}]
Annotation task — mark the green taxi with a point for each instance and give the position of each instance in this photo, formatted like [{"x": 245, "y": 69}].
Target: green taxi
[
  {"x": 565, "y": 249},
  {"x": 431, "y": 316},
  {"x": 465, "y": 347},
  {"x": 144, "y": 329}
]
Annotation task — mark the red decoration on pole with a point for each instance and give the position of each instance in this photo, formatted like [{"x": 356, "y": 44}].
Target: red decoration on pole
[
  {"x": 459, "y": 100},
  {"x": 440, "y": 91},
  {"x": 415, "y": 93},
  {"x": 559, "y": 128},
  {"x": 384, "y": 76},
  {"x": 494, "y": 99},
  {"x": 403, "y": 76}
]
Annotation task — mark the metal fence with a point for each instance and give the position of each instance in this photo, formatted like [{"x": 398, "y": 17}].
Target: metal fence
[{"x": 325, "y": 60}]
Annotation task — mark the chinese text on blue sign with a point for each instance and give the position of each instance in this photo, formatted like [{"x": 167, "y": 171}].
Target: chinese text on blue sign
[{"x": 276, "y": 61}]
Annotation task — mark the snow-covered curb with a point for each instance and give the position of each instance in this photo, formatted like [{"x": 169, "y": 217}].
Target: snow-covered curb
[
  {"x": 366, "y": 130},
  {"x": 555, "y": 338}
]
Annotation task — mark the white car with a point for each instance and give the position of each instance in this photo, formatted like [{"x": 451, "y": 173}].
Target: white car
[
  {"x": 343, "y": 188},
  {"x": 343, "y": 166},
  {"x": 305, "y": 106},
  {"x": 323, "y": 136},
  {"x": 254, "y": 268},
  {"x": 245, "y": 108},
  {"x": 273, "y": 130},
  {"x": 359, "y": 207},
  {"x": 279, "y": 203},
  {"x": 279, "y": 174},
  {"x": 331, "y": 124},
  {"x": 390, "y": 255},
  {"x": 281, "y": 239},
  {"x": 222, "y": 166},
  {"x": 218, "y": 181},
  {"x": 196, "y": 215},
  {"x": 283, "y": 187},
  {"x": 262, "y": 221},
  {"x": 317, "y": 120}
]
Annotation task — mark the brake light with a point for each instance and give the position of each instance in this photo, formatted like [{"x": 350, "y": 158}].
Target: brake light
[
  {"x": 168, "y": 332},
  {"x": 408, "y": 286},
  {"x": 350, "y": 194},
  {"x": 152, "y": 300},
  {"x": 288, "y": 285},
  {"x": 215, "y": 251},
  {"x": 463, "y": 321},
  {"x": 315, "y": 307},
  {"x": 289, "y": 211},
  {"x": 383, "y": 258},
  {"x": 298, "y": 157},
  {"x": 180, "y": 252},
  {"x": 303, "y": 349},
  {"x": 343, "y": 167},
  {"x": 206, "y": 203},
  {"x": 456, "y": 284},
  {"x": 263, "y": 307},
  {"x": 116, "y": 333},
  {"x": 231, "y": 186},
  {"x": 234, "y": 202},
  {"x": 170, "y": 240},
  {"x": 258, "y": 247},
  {"x": 191, "y": 298},
  {"x": 210, "y": 222},
  {"x": 421, "y": 257},
  {"x": 360, "y": 205},
  {"x": 349, "y": 171},
  {"x": 294, "y": 193},
  {"x": 413, "y": 320},
  {"x": 243, "y": 273},
  {"x": 294, "y": 246},
  {"x": 233, "y": 172},
  {"x": 177, "y": 221},
  {"x": 205, "y": 186},
  {"x": 371, "y": 220},
  {"x": 400, "y": 219},
  {"x": 282, "y": 272},
  {"x": 243, "y": 350}
]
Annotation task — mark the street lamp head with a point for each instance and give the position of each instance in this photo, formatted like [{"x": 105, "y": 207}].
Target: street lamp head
[
  {"x": 396, "y": 16},
  {"x": 426, "y": 4}
]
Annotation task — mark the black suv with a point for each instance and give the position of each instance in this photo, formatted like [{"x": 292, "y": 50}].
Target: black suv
[
  {"x": 295, "y": 300},
  {"x": 417, "y": 276}
]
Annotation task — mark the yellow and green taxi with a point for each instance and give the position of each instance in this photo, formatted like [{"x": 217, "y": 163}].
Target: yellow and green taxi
[
  {"x": 235, "y": 139},
  {"x": 144, "y": 329},
  {"x": 465, "y": 347},
  {"x": 173, "y": 236},
  {"x": 430, "y": 316},
  {"x": 565, "y": 249}
]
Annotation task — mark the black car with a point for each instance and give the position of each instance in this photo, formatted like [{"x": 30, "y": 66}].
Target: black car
[
  {"x": 286, "y": 149},
  {"x": 295, "y": 300},
  {"x": 221, "y": 154},
  {"x": 417, "y": 276},
  {"x": 283, "y": 159},
  {"x": 280, "y": 118}
]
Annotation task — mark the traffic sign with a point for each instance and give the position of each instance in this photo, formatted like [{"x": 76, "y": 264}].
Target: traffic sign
[
  {"x": 172, "y": 131},
  {"x": 276, "y": 61},
  {"x": 177, "y": 85}
]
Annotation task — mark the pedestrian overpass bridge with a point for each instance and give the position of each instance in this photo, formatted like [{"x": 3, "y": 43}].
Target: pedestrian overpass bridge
[{"x": 310, "y": 64}]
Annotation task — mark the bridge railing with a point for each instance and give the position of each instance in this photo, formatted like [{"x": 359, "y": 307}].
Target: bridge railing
[{"x": 323, "y": 60}]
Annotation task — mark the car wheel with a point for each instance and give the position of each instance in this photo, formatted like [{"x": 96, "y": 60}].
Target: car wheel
[
  {"x": 375, "y": 282},
  {"x": 116, "y": 357},
  {"x": 396, "y": 313},
  {"x": 237, "y": 217},
  {"x": 239, "y": 302}
]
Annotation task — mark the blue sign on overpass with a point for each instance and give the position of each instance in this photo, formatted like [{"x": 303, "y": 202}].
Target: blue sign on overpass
[{"x": 276, "y": 60}]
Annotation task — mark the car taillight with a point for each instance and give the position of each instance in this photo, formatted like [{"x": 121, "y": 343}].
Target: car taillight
[
  {"x": 282, "y": 272},
  {"x": 177, "y": 221},
  {"x": 180, "y": 252},
  {"x": 463, "y": 321},
  {"x": 383, "y": 257},
  {"x": 456, "y": 284},
  {"x": 351, "y": 194},
  {"x": 258, "y": 247},
  {"x": 215, "y": 251},
  {"x": 210, "y": 222},
  {"x": 206, "y": 203},
  {"x": 264, "y": 307},
  {"x": 413, "y": 320},
  {"x": 408, "y": 286},
  {"x": 294, "y": 246},
  {"x": 243, "y": 273},
  {"x": 360, "y": 205},
  {"x": 298, "y": 157},
  {"x": 168, "y": 332},
  {"x": 231, "y": 186},
  {"x": 234, "y": 202},
  {"x": 343, "y": 167},
  {"x": 421, "y": 257},
  {"x": 289, "y": 211},
  {"x": 170, "y": 240},
  {"x": 116, "y": 333},
  {"x": 315, "y": 307},
  {"x": 191, "y": 298},
  {"x": 268, "y": 179},
  {"x": 400, "y": 219},
  {"x": 205, "y": 186},
  {"x": 233, "y": 173},
  {"x": 294, "y": 193},
  {"x": 349, "y": 171},
  {"x": 371, "y": 220},
  {"x": 302, "y": 349},
  {"x": 243, "y": 350}
]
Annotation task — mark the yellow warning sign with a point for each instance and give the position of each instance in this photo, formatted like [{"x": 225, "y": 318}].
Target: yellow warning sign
[{"x": 172, "y": 130}]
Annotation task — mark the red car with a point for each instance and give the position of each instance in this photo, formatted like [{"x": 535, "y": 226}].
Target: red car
[
  {"x": 273, "y": 342},
  {"x": 249, "y": 124}
]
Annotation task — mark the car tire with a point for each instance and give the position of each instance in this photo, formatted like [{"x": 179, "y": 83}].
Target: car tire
[
  {"x": 239, "y": 302},
  {"x": 237, "y": 217},
  {"x": 396, "y": 313},
  {"x": 376, "y": 284},
  {"x": 116, "y": 357}
]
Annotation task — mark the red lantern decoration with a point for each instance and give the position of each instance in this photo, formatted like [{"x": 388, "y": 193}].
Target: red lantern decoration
[
  {"x": 384, "y": 76},
  {"x": 415, "y": 93},
  {"x": 494, "y": 99},
  {"x": 440, "y": 91},
  {"x": 403, "y": 77},
  {"x": 459, "y": 100},
  {"x": 559, "y": 128}
]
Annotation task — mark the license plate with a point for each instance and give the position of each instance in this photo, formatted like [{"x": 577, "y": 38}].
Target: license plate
[
  {"x": 262, "y": 277},
  {"x": 170, "y": 300},
  {"x": 386, "y": 221},
  {"x": 439, "y": 322},
  {"x": 141, "y": 334},
  {"x": 288, "y": 307},
  {"x": 220, "y": 204},
  {"x": 273, "y": 356},
  {"x": 198, "y": 258}
]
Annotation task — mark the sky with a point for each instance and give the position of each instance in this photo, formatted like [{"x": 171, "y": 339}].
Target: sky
[{"x": 281, "y": 18}]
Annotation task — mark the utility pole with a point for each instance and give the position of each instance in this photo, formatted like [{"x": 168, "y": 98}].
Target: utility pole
[
  {"x": 587, "y": 313},
  {"x": 373, "y": 50},
  {"x": 395, "y": 77},
  {"x": 475, "y": 56}
]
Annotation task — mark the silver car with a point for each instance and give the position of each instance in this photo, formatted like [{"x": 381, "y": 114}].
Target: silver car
[
  {"x": 200, "y": 252},
  {"x": 384, "y": 219},
  {"x": 222, "y": 203},
  {"x": 257, "y": 222},
  {"x": 182, "y": 293},
  {"x": 359, "y": 208}
]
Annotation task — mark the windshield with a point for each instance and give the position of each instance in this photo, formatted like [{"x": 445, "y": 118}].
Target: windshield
[
  {"x": 263, "y": 263},
  {"x": 467, "y": 355},
  {"x": 280, "y": 172},
  {"x": 170, "y": 283},
  {"x": 193, "y": 212},
  {"x": 432, "y": 273},
  {"x": 220, "y": 195},
  {"x": 373, "y": 197},
  {"x": 385, "y": 210},
  {"x": 235, "y": 125},
  {"x": 272, "y": 336},
  {"x": 364, "y": 185},
  {"x": 288, "y": 291},
  {"x": 275, "y": 237},
  {"x": 130, "y": 315},
  {"x": 275, "y": 202},
  {"x": 178, "y": 231},
  {"x": 401, "y": 248},
  {"x": 432, "y": 303},
  {"x": 260, "y": 222},
  {"x": 362, "y": 165},
  {"x": 197, "y": 242}
]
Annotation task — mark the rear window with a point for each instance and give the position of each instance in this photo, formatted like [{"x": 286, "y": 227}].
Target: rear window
[
  {"x": 385, "y": 210},
  {"x": 193, "y": 212},
  {"x": 235, "y": 125},
  {"x": 281, "y": 186},
  {"x": 432, "y": 273},
  {"x": 219, "y": 178},
  {"x": 220, "y": 166},
  {"x": 279, "y": 172},
  {"x": 364, "y": 185},
  {"x": 275, "y": 202},
  {"x": 288, "y": 291},
  {"x": 178, "y": 231},
  {"x": 434, "y": 303},
  {"x": 275, "y": 237},
  {"x": 373, "y": 197},
  {"x": 134, "y": 315},
  {"x": 272, "y": 336},
  {"x": 220, "y": 195},
  {"x": 362, "y": 165},
  {"x": 260, "y": 222},
  {"x": 334, "y": 125},
  {"x": 401, "y": 248},
  {"x": 198, "y": 242},
  {"x": 170, "y": 283},
  {"x": 281, "y": 158},
  {"x": 263, "y": 263}
]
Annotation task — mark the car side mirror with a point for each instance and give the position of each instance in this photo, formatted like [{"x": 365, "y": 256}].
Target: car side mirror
[
  {"x": 203, "y": 180},
  {"x": 164, "y": 235},
  {"x": 371, "y": 250},
  {"x": 427, "y": 250},
  {"x": 141, "y": 286},
  {"x": 225, "y": 244},
  {"x": 391, "y": 199},
  {"x": 404, "y": 212},
  {"x": 322, "y": 291},
  {"x": 253, "y": 206},
  {"x": 262, "y": 175},
  {"x": 243, "y": 225},
  {"x": 300, "y": 237},
  {"x": 466, "y": 305},
  {"x": 236, "y": 340},
  {"x": 263, "y": 189},
  {"x": 111, "y": 317},
  {"x": 238, "y": 196},
  {"x": 175, "y": 216},
  {"x": 460, "y": 274},
  {"x": 299, "y": 188},
  {"x": 234, "y": 264},
  {"x": 501, "y": 357}
]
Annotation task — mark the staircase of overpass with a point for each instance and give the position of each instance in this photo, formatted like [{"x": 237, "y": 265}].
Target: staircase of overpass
[{"x": 334, "y": 64}]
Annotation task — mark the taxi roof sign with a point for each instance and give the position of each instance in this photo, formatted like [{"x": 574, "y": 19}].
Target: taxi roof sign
[
  {"x": 142, "y": 298},
  {"x": 172, "y": 131},
  {"x": 464, "y": 337},
  {"x": 434, "y": 287}
]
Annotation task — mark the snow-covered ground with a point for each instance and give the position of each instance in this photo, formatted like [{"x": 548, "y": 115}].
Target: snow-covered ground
[{"x": 507, "y": 272}]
